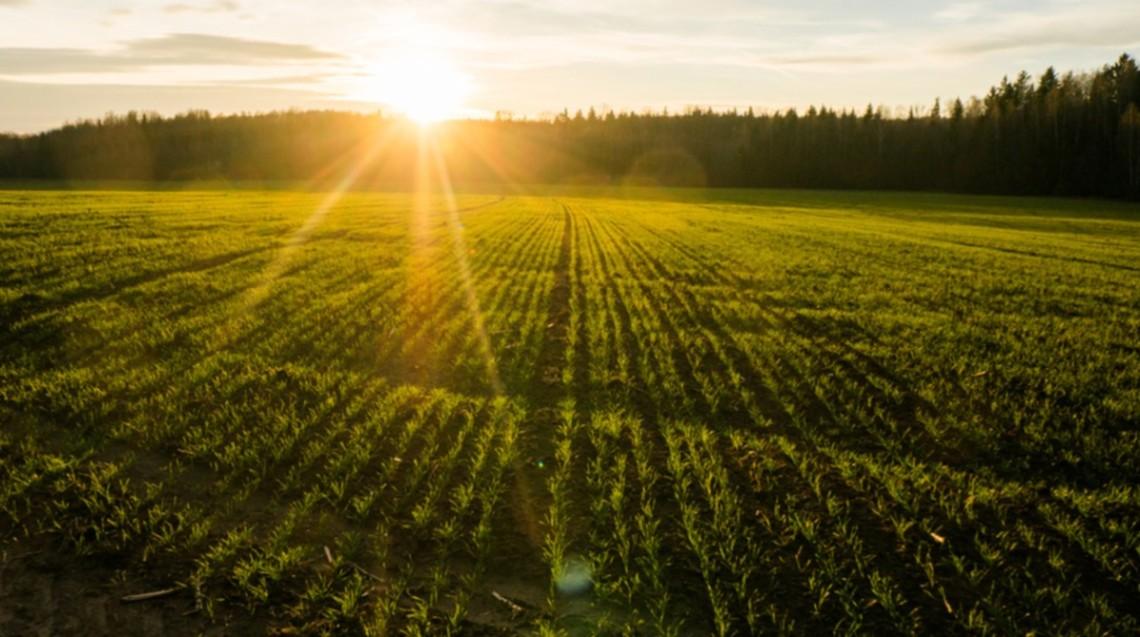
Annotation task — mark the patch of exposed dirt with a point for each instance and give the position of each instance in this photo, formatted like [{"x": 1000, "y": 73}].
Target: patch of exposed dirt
[{"x": 45, "y": 594}]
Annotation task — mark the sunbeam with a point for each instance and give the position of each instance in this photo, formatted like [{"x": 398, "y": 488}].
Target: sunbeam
[
  {"x": 256, "y": 295},
  {"x": 428, "y": 144}
]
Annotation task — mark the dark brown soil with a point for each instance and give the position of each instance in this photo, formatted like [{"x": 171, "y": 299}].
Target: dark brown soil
[{"x": 44, "y": 594}]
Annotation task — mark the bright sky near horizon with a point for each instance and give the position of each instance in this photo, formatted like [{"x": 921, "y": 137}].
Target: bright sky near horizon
[{"x": 68, "y": 59}]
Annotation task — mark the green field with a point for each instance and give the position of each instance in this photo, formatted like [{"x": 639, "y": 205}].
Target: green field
[{"x": 683, "y": 413}]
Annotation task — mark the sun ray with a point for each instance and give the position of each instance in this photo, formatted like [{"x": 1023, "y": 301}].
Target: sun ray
[
  {"x": 256, "y": 295},
  {"x": 451, "y": 209},
  {"x": 523, "y": 488}
]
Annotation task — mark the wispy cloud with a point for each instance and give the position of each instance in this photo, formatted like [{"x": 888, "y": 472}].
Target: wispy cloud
[
  {"x": 198, "y": 48},
  {"x": 20, "y": 61},
  {"x": 960, "y": 11},
  {"x": 802, "y": 40},
  {"x": 1069, "y": 26},
  {"x": 13, "y": 3},
  {"x": 307, "y": 80},
  {"x": 179, "y": 49},
  {"x": 831, "y": 60},
  {"x": 220, "y": 6}
]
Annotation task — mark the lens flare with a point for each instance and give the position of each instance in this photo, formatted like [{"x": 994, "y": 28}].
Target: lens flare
[{"x": 575, "y": 577}]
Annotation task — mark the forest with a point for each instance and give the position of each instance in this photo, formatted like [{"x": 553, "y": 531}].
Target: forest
[{"x": 1075, "y": 134}]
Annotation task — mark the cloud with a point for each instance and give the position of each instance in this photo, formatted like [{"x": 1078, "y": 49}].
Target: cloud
[
  {"x": 803, "y": 41},
  {"x": 13, "y": 3},
  {"x": 220, "y": 6},
  {"x": 26, "y": 61},
  {"x": 287, "y": 81},
  {"x": 503, "y": 35},
  {"x": 837, "y": 59},
  {"x": 960, "y": 11},
  {"x": 179, "y": 49},
  {"x": 198, "y": 48},
  {"x": 625, "y": 48},
  {"x": 1104, "y": 28}
]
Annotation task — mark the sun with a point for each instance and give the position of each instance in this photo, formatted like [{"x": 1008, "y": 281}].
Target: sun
[
  {"x": 424, "y": 88},
  {"x": 415, "y": 76}
]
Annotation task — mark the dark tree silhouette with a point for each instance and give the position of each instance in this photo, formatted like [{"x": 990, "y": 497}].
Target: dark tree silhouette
[{"x": 1071, "y": 134}]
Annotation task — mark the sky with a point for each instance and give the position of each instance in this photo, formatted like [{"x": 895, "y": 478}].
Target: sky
[{"x": 62, "y": 60}]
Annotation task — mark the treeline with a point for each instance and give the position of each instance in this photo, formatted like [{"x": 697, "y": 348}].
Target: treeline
[{"x": 1071, "y": 134}]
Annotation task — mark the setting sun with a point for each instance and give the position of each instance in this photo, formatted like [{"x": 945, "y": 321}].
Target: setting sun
[
  {"x": 415, "y": 76},
  {"x": 421, "y": 87}
]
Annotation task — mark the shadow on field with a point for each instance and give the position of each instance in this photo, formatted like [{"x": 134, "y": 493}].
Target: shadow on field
[{"x": 31, "y": 304}]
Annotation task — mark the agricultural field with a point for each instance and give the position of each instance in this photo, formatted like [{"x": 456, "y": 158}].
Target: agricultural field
[{"x": 682, "y": 413}]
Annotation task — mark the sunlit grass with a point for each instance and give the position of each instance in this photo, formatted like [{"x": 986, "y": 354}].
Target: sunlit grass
[{"x": 656, "y": 411}]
